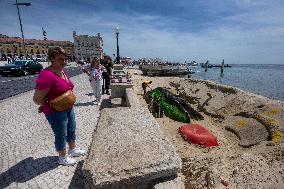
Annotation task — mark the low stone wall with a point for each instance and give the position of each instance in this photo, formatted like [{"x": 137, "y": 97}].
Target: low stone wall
[
  {"x": 118, "y": 89},
  {"x": 129, "y": 150},
  {"x": 131, "y": 100}
]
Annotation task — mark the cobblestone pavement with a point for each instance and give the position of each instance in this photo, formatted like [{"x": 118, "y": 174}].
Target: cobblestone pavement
[{"x": 27, "y": 154}]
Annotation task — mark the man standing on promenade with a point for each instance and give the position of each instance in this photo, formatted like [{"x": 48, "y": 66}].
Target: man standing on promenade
[
  {"x": 9, "y": 59},
  {"x": 107, "y": 63}
]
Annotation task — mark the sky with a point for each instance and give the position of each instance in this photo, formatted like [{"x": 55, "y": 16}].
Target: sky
[{"x": 238, "y": 31}]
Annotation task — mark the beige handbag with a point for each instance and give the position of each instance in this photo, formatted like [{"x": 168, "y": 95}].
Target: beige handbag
[{"x": 64, "y": 101}]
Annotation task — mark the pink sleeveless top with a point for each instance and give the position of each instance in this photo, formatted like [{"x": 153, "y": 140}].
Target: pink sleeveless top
[{"x": 56, "y": 85}]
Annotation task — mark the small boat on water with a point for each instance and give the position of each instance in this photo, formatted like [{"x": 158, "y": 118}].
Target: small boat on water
[
  {"x": 193, "y": 63},
  {"x": 164, "y": 70},
  {"x": 207, "y": 65},
  {"x": 218, "y": 66}
]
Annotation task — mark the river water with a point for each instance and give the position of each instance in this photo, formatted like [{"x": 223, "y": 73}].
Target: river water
[{"x": 264, "y": 79}]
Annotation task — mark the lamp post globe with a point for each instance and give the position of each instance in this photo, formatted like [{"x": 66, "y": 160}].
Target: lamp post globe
[{"x": 117, "y": 46}]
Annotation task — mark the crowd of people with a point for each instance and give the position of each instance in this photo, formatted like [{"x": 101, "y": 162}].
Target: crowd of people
[{"x": 158, "y": 62}]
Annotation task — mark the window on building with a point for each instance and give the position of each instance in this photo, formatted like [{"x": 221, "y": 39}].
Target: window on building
[
  {"x": 42, "y": 51},
  {"x": 82, "y": 44},
  {"x": 32, "y": 50}
]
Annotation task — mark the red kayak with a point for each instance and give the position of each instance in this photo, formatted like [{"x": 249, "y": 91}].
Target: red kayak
[{"x": 197, "y": 134}]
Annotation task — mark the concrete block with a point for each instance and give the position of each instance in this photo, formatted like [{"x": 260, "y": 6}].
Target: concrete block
[
  {"x": 118, "y": 67},
  {"x": 117, "y": 73},
  {"x": 118, "y": 89},
  {"x": 129, "y": 150},
  {"x": 116, "y": 102}
]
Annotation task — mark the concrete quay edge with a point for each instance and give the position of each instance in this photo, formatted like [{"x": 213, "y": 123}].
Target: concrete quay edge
[{"x": 129, "y": 153}]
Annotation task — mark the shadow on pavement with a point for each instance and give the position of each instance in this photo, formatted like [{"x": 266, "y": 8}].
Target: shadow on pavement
[
  {"x": 90, "y": 94},
  {"x": 27, "y": 169},
  {"x": 78, "y": 179},
  {"x": 106, "y": 103},
  {"x": 85, "y": 103}
]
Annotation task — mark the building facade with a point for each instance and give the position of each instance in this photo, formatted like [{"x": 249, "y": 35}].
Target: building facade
[
  {"x": 87, "y": 47},
  {"x": 13, "y": 47}
]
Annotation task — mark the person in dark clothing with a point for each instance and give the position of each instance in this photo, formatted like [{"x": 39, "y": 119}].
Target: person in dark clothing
[{"x": 107, "y": 63}]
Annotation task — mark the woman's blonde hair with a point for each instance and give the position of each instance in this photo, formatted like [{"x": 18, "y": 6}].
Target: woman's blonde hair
[
  {"x": 94, "y": 59},
  {"x": 53, "y": 51}
]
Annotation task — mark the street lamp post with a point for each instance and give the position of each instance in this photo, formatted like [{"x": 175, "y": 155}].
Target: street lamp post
[
  {"x": 25, "y": 4},
  {"x": 117, "y": 47}
]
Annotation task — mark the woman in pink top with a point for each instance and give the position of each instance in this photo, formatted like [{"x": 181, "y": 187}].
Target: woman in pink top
[{"x": 51, "y": 83}]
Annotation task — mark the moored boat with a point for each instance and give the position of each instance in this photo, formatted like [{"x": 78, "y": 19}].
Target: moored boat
[
  {"x": 164, "y": 70},
  {"x": 207, "y": 65}
]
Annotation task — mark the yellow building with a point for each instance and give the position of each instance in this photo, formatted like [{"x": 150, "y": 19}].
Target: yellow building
[{"x": 13, "y": 47}]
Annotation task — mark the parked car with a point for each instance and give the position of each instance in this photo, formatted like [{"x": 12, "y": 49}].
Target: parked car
[{"x": 21, "y": 67}]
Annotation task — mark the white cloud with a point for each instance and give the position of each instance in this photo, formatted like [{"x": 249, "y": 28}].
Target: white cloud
[
  {"x": 253, "y": 35},
  {"x": 250, "y": 3}
]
